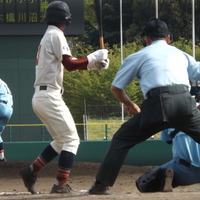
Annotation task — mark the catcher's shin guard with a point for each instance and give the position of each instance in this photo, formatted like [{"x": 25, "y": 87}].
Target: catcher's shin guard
[{"x": 156, "y": 181}]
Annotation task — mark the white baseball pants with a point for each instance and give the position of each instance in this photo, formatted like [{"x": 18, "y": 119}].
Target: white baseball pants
[{"x": 50, "y": 108}]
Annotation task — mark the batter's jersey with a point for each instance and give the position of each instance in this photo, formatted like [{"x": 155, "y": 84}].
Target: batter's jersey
[
  {"x": 184, "y": 147},
  {"x": 49, "y": 68}
]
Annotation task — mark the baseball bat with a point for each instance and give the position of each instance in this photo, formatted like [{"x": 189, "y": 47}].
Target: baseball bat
[{"x": 98, "y": 9}]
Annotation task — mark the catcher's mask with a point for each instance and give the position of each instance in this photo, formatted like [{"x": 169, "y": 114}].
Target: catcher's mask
[{"x": 58, "y": 12}]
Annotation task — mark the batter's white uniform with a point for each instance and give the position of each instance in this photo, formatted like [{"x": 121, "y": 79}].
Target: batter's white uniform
[{"x": 47, "y": 100}]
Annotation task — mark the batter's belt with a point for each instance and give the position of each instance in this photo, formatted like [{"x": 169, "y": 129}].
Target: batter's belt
[{"x": 45, "y": 87}]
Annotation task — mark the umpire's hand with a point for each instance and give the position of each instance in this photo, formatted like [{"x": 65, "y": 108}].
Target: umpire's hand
[
  {"x": 121, "y": 96},
  {"x": 132, "y": 108}
]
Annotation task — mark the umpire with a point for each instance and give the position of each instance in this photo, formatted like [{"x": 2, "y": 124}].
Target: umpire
[{"x": 163, "y": 72}]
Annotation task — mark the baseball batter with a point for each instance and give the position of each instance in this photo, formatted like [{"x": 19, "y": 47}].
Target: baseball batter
[
  {"x": 6, "y": 111},
  {"x": 53, "y": 57}
]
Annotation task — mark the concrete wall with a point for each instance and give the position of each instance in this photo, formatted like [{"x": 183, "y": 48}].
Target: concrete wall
[
  {"x": 17, "y": 69},
  {"x": 148, "y": 153}
]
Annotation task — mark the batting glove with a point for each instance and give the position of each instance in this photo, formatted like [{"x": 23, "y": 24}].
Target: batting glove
[
  {"x": 98, "y": 55},
  {"x": 98, "y": 64}
]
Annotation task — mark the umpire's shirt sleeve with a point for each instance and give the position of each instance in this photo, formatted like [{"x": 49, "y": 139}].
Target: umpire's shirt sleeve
[
  {"x": 193, "y": 67},
  {"x": 127, "y": 72}
]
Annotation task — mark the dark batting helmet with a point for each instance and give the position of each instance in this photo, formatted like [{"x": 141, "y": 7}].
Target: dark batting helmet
[{"x": 58, "y": 12}]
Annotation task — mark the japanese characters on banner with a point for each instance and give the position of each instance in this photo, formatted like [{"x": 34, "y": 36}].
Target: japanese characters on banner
[
  {"x": 27, "y": 17},
  {"x": 22, "y": 11}
]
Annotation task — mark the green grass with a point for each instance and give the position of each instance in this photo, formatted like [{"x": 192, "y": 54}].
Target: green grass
[{"x": 102, "y": 129}]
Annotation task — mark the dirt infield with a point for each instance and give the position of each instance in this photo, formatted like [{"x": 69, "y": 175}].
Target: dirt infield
[{"x": 82, "y": 177}]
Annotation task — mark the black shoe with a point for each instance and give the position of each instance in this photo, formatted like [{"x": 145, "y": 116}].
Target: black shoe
[
  {"x": 99, "y": 188},
  {"x": 169, "y": 174},
  {"x": 3, "y": 160},
  {"x": 29, "y": 179},
  {"x": 64, "y": 188}
]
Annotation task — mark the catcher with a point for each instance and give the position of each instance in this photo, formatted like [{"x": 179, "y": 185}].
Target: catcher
[
  {"x": 183, "y": 169},
  {"x": 6, "y": 111}
]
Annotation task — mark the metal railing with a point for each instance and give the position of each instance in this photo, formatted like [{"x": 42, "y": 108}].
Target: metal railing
[
  {"x": 25, "y": 125},
  {"x": 90, "y": 131}
]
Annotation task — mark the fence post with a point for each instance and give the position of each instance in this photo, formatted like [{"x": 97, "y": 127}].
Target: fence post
[
  {"x": 42, "y": 132},
  {"x": 85, "y": 132},
  {"x": 10, "y": 134},
  {"x": 106, "y": 132}
]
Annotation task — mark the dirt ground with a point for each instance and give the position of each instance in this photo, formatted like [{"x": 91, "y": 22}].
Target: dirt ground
[{"x": 82, "y": 177}]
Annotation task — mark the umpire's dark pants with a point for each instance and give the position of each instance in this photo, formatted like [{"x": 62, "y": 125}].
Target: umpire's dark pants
[{"x": 166, "y": 107}]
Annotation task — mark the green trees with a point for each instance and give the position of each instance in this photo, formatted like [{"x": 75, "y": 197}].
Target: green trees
[
  {"x": 177, "y": 14},
  {"x": 94, "y": 87}
]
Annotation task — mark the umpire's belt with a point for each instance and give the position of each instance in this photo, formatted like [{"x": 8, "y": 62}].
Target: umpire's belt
[
  {"x": 184, "y": 162},
  {"x": 167, "y": 89}
]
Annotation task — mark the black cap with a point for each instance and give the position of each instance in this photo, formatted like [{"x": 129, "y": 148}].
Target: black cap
[{"x": 155, "y": 28}]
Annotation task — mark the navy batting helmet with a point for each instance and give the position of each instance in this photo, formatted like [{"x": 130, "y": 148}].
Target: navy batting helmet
[{"x": 58, "y": 12}]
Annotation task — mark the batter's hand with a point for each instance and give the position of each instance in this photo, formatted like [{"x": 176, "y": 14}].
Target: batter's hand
[
  {"x": 98, "y": 65},
  {"x": 100, "y": 54},
  {"x": 105, "y": 63},
  {"x": 132, "y": 109}
]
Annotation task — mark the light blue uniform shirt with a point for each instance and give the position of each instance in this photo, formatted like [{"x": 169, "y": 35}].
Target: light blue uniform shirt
[
  {"x": 6, "y": 106},
  {"x": 5, "y": 93},
  {"x": 157, "y": 65},
  {"x": 183, "y": 147}
]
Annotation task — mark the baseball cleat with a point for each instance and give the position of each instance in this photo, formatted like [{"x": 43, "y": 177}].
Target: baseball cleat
[
  {"x": 99, "y": 189},
  {"x": 29, "y": 179},
  {"x": 63, "y": 188}
]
